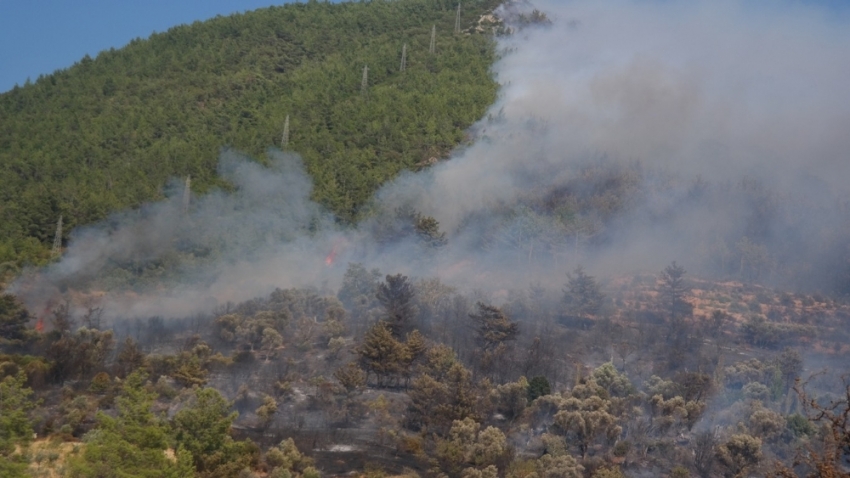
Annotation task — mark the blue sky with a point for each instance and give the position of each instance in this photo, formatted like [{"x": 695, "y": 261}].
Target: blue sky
[{"x": 40, "y": 36}]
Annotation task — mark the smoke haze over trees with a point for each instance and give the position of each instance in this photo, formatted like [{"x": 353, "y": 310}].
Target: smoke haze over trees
[
  {"x": 130, "y": 119},
  {"x": 591, "y": 284},
  {"x": 646, "y": 136}
]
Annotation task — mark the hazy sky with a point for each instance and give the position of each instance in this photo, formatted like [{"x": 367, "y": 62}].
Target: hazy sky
[{"x": 40, "y": 36}]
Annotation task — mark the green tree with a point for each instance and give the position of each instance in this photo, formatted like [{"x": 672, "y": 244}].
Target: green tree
[
  {"x": 13, "y": 319},
  {"x": 202, "y": 428},
  {"x": 613, "y": 472},
  {"x": 358, "y": 284},
  {"x": 381, "y": 354},
  {"x": 15, "y": 426},
  {"x": 133, "y": 444},
  {"x": 493, "y": 327},
  {"x": 511, "y": 398},
  {"x": 130, "y": 357},
  {"x": 585, "y": 417},
  {"x": 267, "y": 410},
  {"x": 285, "y": 458},
  {"x": 537, "y": 387},
  {"x": 351, "y": 377},
  {"x": 672, "y": 293},
  {"x": 494, "y": 334},
  {"x": 563, "y": 466},
  {"x": 429, "y": 232},
  {"x": 397, "y": 294},
  {"x": 583, "y": 297},
  {"x": 790, "y": 364},
  {"x": 80, "y": 354},
  {"x": 237, "y": 79},
  {"x": 271, "y": 341},
  {"x": 435, "y": 404},
  {"x": 738, "y": 454},
  {"x": 470, "y": 447},
  {"x": 614, "y": 382}
]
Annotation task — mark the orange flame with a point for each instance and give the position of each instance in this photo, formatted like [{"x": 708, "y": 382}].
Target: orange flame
[
  {"x": 329, "y": 260},
  {"x": 39, "y": 324}
]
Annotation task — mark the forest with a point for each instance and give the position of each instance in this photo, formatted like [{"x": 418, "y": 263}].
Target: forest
[
  {"x": 334, "y": 239},
  {"x": 388, "y": 375},
  {"x": 110, "y": 132}
]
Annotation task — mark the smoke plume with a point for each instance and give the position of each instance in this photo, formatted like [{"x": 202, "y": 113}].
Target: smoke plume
[{"x": 627, "y": 134}]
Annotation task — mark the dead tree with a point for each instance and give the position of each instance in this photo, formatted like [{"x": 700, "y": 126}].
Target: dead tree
[
  {"x": 403, "y": 58},
  {"x": 284, "y": 139},
  {"x": 57, "y": 240}
]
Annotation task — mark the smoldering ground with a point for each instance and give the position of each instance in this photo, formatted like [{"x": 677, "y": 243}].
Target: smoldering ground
[{"x": 627, "y": 134}]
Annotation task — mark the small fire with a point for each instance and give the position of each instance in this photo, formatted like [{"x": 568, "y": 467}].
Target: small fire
[
  {"x": 330, "y": 259},
  {"x": 39, "y": 324}
]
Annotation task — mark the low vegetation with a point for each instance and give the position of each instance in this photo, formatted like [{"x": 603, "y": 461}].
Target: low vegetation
[{"x": 400, "y": 375}]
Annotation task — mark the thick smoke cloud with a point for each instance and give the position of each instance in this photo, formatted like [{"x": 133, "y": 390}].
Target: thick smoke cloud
[
  {"x": 718, "y": 91},
  {"x": 671, "y": 104}
]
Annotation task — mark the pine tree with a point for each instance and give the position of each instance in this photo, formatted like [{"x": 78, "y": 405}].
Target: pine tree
[
  {"x": 582, "y": 296},
  {"x": 396, "y": 294},
  {"x": 133, "y": 442},
  {"x": 493, "y": 326},
  {"x": 381, "y": 354},
  {"x": 202, "y": 429},
  {"x": 428, "y": 230},
  {"x": 351, "y": 377},
  {"x": 672, "y": 292},
  {"x": 267, "y": 411},
  {"x": 584, "y": 420},
  {"x": 15, "y": 427},
  {"x": 13, "y": 319}
]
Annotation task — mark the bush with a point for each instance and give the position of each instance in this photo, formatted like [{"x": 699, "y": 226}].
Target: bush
[
  {"x": 799, "y": 425},
  {"x": 756, "y": 391},
  {"x": 622, "y": 448},
  {"x": 537, "y": 387},
  {"x": 311, "y": 472},
  {"x": 100, "y": 383}
]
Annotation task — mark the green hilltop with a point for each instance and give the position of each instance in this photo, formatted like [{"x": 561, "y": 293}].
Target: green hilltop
[{"x": 109, "y": 132}]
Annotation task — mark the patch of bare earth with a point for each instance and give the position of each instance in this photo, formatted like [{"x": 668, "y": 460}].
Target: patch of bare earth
[{"x": 48, "y": 458}]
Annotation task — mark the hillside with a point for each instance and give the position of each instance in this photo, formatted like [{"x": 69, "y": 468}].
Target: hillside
[
  {"x": 389, "y": 376},
  {"x": 109, "y": 132},
  {"x": 616, "y": 271}
]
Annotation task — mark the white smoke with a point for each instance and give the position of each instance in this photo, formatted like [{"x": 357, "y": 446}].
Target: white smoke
[{"x": 715, "y": 89}]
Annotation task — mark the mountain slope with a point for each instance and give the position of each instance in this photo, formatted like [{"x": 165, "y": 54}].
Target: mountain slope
[{"x": 109, "y": 132}]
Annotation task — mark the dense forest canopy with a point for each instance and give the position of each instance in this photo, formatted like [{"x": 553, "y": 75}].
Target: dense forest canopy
[{"x": 109, "y": 132}]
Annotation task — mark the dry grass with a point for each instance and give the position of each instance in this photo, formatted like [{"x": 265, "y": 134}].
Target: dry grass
[
  {"x": 49, "y": 457},
  {"x": 743, "y": 301}
]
